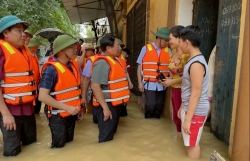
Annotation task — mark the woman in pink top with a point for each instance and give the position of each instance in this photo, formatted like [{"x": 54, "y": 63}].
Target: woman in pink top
[{"x": 176, "y": 66}]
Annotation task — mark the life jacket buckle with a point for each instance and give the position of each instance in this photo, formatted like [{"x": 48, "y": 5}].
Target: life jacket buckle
[
  {"x": 20, "y": 99},
  {"x": 34, "y": 92},
  {"x": 31, "y": 72},
  {"x": 32, "y": 83}
]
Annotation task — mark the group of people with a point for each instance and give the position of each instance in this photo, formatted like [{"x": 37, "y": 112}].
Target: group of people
[
  {"x": 174, "y": 59},
  {"x": 68, "y": 83},
  {"x": 62, "y": 86}
]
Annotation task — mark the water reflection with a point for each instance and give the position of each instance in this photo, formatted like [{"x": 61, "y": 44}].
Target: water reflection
[{"x": 137, "y": 139}]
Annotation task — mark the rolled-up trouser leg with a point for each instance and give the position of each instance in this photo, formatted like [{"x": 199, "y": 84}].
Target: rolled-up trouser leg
[
  {"x": 11, "y": 138},
  {"x": 176, "y": 104},
  {"x": 58, "y": 131},
  {"x": 28, "y": 132},
  {"x": 106, "y": 128},
  {"x": 150, "y": 103}
]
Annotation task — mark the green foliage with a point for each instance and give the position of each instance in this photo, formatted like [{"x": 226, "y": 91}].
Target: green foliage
[
  {"x": 90, "y": 32},
  {"x": 40, "y": 14}
]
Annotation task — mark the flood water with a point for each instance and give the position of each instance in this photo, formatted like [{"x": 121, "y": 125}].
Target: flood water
[{"x": 136, "y": 139}]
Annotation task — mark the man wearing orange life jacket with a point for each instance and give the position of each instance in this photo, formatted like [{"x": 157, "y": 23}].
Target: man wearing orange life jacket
[
  {"x": 110, "y": 87},
  {"x": 60, "y": 90},
  {"x": 33, "y": 45},
  {"x": 153, "y": 60},
  {"x": 124, "y": 64},
  {"x": 79, "y": 47},
  {"x": 17, "y": 119},
  {"x": 86, "y": 91},
  {"x": 88, "y": 50}
]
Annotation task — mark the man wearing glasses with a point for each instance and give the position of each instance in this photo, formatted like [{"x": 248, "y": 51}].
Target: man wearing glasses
[
  {"x": 110, "y": 87},
  {"x": 153, "y": 60}
]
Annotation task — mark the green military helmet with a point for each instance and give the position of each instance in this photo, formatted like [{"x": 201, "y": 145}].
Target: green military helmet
[
  {"x": 27, "y": 31},
  {"x": 163, "y": 32},
  {"x": 10, "y": 20},
  {"x": 63, "y": 41},
  {"x": 34, "y": 42}
]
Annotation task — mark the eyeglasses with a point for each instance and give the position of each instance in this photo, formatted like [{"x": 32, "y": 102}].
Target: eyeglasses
[{"x": 166, "y": 40}]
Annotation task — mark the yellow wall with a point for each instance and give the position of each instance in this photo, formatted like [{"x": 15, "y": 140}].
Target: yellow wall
[
  {"x": 158, "y": 17},
  {"x": 240, "y": 149}
]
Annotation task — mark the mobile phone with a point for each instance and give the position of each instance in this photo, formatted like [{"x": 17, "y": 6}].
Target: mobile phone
[{"x": 161, "y": 76}]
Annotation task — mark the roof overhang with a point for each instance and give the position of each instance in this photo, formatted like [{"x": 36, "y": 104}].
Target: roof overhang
[{"x": 80, "y": 11}]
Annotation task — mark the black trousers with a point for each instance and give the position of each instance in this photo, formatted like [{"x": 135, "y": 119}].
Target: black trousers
[
  {"x": 94, "y": 114},
  {"x": 62, "y": 130},
  {"x": 25, "y": 132},
  {"x": 124, "y": 110},
  {"x": 37, "y": 107},
  {"x": 109, "y": 127},
  {"x": 154, "y": 103}
]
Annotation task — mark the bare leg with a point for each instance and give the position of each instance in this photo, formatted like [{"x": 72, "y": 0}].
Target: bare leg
[
  {"x": 193, "y": 152},
  {"x": 179, "y": 134}
]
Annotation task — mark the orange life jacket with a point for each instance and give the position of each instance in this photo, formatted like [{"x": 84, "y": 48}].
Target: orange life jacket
[
  {"x": 84, "y": 63},
  {"x": 123, "y": 61},
  {"x": 18, "y": 84},
  {"x": 152, "y": 65},
  {"x": 92, "y": 58},
  {"x": 67, "y": 88},
  {"x": 36, "y": 68},
  {"x": 117, "y": 83}
]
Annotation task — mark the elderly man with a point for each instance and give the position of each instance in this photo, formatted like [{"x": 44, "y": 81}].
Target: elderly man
[
  {"x": 17, "y": 120},
  {"x": 110, "y": 87},
  {"x": 152, "y": 61}
]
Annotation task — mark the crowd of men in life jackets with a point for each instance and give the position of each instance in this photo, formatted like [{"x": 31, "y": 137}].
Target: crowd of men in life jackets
[
  {"x": 63, "y": 84},
  {"x": 66, "y": 81}
]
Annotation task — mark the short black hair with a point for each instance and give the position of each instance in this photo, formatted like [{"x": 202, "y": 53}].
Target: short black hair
[
  {"x": 193, "y": 34},
  {"x": 107, "y": 40},
  {"x": 126, "y": 50},
  {"x": 81, "y": 40},
  {"x": 176, "y": 31}
]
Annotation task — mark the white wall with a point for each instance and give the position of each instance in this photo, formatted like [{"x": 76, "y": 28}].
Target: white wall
[{"x": 185, "y": 13}]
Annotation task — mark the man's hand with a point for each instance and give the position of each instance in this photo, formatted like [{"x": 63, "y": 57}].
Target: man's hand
[
  {"x": 141, "y": 88},
  {"x": 167, "y": 82},
  {"x": 186, "y": 126},
  {"x": 9, "y": 122},
  {"x": 84, "y": 101},
  {"x": 107, "y": 114},
  {"x": 80, "y": 115},
  {"x": 83, "y": 50},
  {"x": 130, "y": 85},
  {"x": 71, "y": 109},
  {"x": 179, "y": 112}
]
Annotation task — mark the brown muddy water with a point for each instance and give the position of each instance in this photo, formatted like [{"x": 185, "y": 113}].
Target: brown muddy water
[{"x": 136, "y": 139}]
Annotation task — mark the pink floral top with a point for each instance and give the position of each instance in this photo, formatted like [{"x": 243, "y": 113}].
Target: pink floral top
[{"x": 176, "y": 67}]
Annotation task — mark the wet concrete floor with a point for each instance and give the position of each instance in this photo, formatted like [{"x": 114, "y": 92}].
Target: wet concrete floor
[{"x": 137, "y": 139}]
